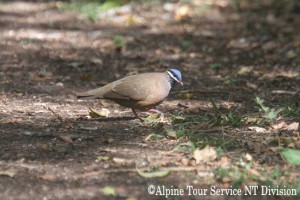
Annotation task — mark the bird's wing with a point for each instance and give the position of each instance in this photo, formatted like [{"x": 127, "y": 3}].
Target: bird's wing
[{"x": 136, "y": 87}]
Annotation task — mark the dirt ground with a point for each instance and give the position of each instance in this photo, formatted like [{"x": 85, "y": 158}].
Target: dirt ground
[{"x": 50, "y": 148}]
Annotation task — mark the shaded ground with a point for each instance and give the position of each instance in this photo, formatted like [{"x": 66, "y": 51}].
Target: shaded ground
[{"x": 52, "y": 149}]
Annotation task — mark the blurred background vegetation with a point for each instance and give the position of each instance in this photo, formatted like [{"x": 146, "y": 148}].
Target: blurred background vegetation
[{"x": 92, "y": 8}]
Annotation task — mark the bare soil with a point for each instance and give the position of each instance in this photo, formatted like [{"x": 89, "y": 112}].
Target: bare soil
[{"x": 51, "y": 149}]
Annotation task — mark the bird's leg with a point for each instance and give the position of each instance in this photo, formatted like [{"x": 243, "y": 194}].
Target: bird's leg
[
  {"x": 136, "y": 115},
  {"x": 161, "y": 114}
]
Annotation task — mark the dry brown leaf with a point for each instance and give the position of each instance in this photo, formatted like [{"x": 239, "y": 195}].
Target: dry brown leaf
[
  {"x": 48, "y": 177},
  {"x": 103, "y": 103},
  {"x": 183, "y": 105},
  {"x": 46, "y": 147},
  {"x": 97, "y": 61},
  {"x": 245, "y": 70},
  {"x": 101, "y": 113},
  {"x": 9, "y": 172},
  {"x": 293, "y": 126},
  {"x": 258, "y": 129},
  {"x": 183, "y": 13},
  {"x": 205, "y": 155},
  {"x": 281, "y": 125},
  {"x": 248, "y": 157},
  {"x": 65, "y": 138},
  {"x": 251, "y": 85},
  {"x": 224, "y": 161},
  {"x": 43, "y": 78},
  {"x": 153, "y": 116},
  {"x": 254, "y": 172}
]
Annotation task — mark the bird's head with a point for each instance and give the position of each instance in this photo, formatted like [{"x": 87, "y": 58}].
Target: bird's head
[{"x": 175, "y": 75}]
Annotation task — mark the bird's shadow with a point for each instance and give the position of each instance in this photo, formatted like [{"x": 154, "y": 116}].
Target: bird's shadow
[{"x": 107, "y": 119}]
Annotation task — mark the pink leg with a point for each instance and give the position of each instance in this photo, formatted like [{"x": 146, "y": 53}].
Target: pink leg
[{"x": 155, "y": 111}]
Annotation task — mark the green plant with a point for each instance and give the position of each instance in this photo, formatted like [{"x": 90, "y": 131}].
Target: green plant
[
  {"x": 291, "y": 111},
  {"x": 186, "y": 147},
  {"x": 231, "y": 81},
  {"x": 119, "y": 41},
  {"x": 292, "y": 156},
  {"x": 91, "y": 8},
  {"x": 185, "y": 44},
  {"x": 215, "y": 66},
  {"x": 270, "y": 113}
]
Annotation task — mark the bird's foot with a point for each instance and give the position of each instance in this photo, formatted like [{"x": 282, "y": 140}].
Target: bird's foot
[{"x": 155, "y": 111}]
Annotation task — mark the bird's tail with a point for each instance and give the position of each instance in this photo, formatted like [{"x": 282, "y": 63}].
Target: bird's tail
[
  {"x": 92, "y": 94},
  {"x": 83, "y": 96}
]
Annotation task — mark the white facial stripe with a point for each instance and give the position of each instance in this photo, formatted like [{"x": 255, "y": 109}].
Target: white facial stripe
[{"x": 173, "y": 77}]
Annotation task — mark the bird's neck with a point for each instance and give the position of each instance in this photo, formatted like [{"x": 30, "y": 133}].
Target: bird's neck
[{"x": 170, "y": 80}]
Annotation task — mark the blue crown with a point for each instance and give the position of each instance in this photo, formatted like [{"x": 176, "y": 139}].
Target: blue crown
[{"x": 176, "y": 73}]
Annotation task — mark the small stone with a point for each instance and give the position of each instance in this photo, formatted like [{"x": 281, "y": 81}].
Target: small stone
[{"x": 59, "y": 84}]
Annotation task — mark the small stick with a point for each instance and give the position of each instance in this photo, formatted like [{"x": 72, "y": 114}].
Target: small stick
[{"x": 54, "y": 113}]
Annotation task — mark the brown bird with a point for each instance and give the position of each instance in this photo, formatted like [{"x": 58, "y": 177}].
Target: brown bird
[{"x": 140, "y": 91}]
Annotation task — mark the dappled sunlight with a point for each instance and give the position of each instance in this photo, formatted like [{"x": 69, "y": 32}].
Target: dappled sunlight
[{"x": 234, "y": 123}]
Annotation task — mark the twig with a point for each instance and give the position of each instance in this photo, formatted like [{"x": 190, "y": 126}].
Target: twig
[
  {"x": 54, "y": 113},
  {"x": 283, "y": 92}
]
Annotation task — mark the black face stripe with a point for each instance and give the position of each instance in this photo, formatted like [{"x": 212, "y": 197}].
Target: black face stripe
[{"x": 172, "y": 75}]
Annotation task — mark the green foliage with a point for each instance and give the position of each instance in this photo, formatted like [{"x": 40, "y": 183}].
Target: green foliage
[
  {"x": 91, "y": 8},
  {"x": 242, "y": 173},
  {"x": 155, "y": 174},
  {"x": 185, "y": 127},
  {"x": 225, "y": 119},
  {"x": 215, "y": 66},
  {"x": 292, "y": 156},
  {"x": 156, "y": 137},
  {"x": 291, "y": 111},
  {"x": 270, "y": 113},
  {"x": 185, "y": 44},
  {"x": 186, "y": 147},
  {"x": 119, "y": 41},
  {"x": 231, "y": 81},
  {"x": 108, "y": 191}
]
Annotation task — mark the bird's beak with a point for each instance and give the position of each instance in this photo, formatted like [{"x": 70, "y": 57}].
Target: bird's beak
[{"x": 181, "y": 83}]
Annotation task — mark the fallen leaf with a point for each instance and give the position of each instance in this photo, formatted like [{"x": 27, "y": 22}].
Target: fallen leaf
[
  {"x": 10, "y": 172},
  {"x": 281, "y": 125},
  {"x": 65, "y": 138},
  {"x": 97, "y": 61},
  {"x": 104, "y": 158},
  {"x": 43, "y": 78},
  {"x": 182, "y": 13},
  {"x": 183, "y": 105},
  {"x": 224, "y": 161},
  {"x": 257, "y": 129},
  {"x": 205, "y": 155},
  {"x": 48, "y": 177},
  {"x": 248, "y": 157},
  {"x": 121, "y": 160},
  {"x": 152, "y": 116},
  {"x": 154, "y": 137},
  {"x": 162, "y": 173},
  {"x": 46, "y": 147},
  {"x": 108, "y": 191},
  {"x": 292, "y": 156},
  {"x": 86, "y": 77},
  {"x": 102, "y": 113},
  {"x": 293, "y": 126},
  {"x": 254, "y": 172},
  {"x": 291, "y": 54},
  {"x": 251, "y": 85},
  {"x": 244, "y": 70},
  {"x": 103, "y": 103}
]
